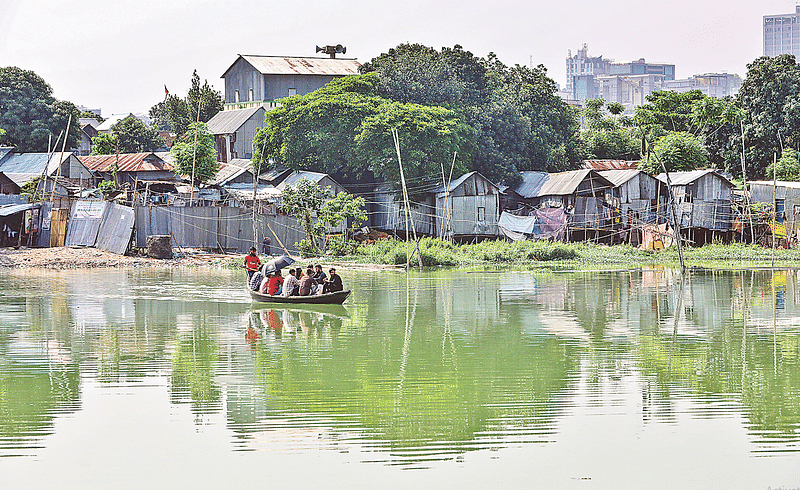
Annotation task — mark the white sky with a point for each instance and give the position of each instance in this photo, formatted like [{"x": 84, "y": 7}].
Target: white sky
[{"x": 118, "y": 55}]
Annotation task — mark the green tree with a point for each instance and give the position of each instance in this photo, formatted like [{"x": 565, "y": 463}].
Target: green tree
[
  {"x": 30, "y": 115},
  {"x": 606, "y": 137},
  {"x": 429, "y": 136},
  {"x": 679, "y": 151},
  {"x": 91, "y": 115},
  {"x": 129, "y": 135},
  {"x": 770, "y": 97},
  {"x": 317, "y": 210},
  {"x": 176, "y": 114},
  {"x": 105, "y": 144},
  {"x": 200, "y": 159},
  {"x": 787, "y": 168}
]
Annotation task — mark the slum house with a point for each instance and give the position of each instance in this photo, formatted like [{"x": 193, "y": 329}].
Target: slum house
[
  {"x": 88, "y": 131},
  {"x": 786, "y": 198},
  {"x": 386, "y": 211},
  {"x": 636, "y": 199},
  {"x": 234, "y": 131},
  {"x": 72, "y": 175},
  {"x": 260, "y": 81},
  {"x": 703, "y": 204},
  {"x": 468, "y": 209},
  {"x": 579, "y": 194},
  {"x": 130, "y": 168}
]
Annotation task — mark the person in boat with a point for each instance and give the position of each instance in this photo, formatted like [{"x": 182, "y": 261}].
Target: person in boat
[
  {"x": 319, "y": 276},
  {"x": 333, "y": 283},
  {"x": 262, "y": 288},
  {"x": 275, "y": 285},
  {"x": 255, "y": 281},
  {"x": 291, "y": 284},
  {"x": 252, "y": 263},
  {"x": 307, "y": 282}
]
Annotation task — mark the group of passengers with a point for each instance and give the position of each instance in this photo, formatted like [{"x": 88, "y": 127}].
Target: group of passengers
[{"x": 311, "y": 282}]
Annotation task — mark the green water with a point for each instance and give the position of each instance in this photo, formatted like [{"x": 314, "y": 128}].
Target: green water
[{"x": 445, "y": 379}]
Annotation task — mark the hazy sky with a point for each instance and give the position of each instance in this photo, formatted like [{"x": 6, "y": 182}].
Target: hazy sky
[{"x": 118, "y": 55}]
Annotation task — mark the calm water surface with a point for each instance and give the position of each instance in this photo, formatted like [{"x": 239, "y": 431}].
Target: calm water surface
[{"x": 172, "y": 379}]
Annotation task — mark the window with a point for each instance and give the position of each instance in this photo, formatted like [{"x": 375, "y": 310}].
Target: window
[
  {"x": 250, "y": 95},
  {"x": 481, "y": 214},
  {"x": 292, "y": 91},
  {"x": 236, "y": 96}
]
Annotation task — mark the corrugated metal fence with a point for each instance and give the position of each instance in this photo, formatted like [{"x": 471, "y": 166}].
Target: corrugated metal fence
[{"x": 215, "y": 227}]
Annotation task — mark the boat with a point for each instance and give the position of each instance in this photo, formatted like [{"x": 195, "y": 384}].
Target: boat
[{"x": 335, "y": 298}]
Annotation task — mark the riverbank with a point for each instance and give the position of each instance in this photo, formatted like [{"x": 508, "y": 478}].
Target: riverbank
[{"x": 391, "y": 255}]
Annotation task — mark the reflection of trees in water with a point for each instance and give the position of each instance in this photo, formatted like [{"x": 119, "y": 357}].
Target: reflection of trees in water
[
  {"x": 194, "y": 364},
  {"x": 410, "y": 384}
]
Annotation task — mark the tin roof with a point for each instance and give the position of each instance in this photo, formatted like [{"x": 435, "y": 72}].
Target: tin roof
[
  {"x": 296, "y": 65},
  {"x": 20, "y": 179},
  {"x": 297, "y": 176},
  {"x": 619, "y": 177},
  {"x": 227, "y": 122},
  {"x": 685, "y": 178},
  {"x": 537, "y": 184},
  {"x": 229, "y": 171},
  {"x": 779, "y": 183},
  {"x": 128, "y": 162},
  {"x": 275, "y": 175},
  {"x": 4, "y": 151},
  {"x": 611, "y": 164},
  {"x": 32, "y": 163},
  {"x": 455, "y": 183}
]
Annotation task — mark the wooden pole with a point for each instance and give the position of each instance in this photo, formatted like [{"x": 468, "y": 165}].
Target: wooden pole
[
  {"x": 58, "y": 172},
  {"x": 194, "y": 152},
  {"x": 774, "y": 203},
  {"x": 674, "y": 213},
  {"x": 746, "y": 191},
  {"x": 409, "y": 218}
]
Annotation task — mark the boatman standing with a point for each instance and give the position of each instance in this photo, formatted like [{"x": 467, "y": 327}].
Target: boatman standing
[{"x": 252, "y": 263}]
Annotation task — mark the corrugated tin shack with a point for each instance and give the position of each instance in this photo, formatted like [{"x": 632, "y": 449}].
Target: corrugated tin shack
[
  {"x": 703, "y": 204},
  {"x": 130, "y": 167},
  {"x": 580, "y": 192},
  {"x": 637, "y": 195},
  {"x": 469, "y": 209},
  {"x": 234, "y": 131},
  {"x": 386, "y": 211},
  {"x": 786, "y": 197}
]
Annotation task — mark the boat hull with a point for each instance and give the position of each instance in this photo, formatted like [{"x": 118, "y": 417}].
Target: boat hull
[{"x": 336, "y": 298}]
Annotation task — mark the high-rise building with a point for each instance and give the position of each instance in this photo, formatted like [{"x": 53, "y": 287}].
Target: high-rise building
[
  {"x": 782, "y": 34},
  {"x": 583, "y": 64}
]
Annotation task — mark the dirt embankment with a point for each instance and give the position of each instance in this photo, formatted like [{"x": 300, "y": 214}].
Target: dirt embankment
[
  {"x": 60, "y": 258},
  {"x": 84, "y": 258}
]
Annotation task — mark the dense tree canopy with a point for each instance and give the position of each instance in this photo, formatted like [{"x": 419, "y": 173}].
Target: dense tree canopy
[
  {"x": 29, "y": 114},
  {"x": 176, "y": 114},
  {"x": 679, "y": 151},
  {"x": 609, "y": 135},
  {"x": 202, "y": 162},
  {"x": 129, "y": 135}
]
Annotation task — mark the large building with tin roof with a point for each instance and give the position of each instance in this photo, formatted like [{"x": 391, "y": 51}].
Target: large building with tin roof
[{"x": 254, "y": 80}]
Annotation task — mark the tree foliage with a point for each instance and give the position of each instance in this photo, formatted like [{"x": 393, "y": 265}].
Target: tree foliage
[
  {"x": 787, "y": 168},
  {"x": 609, "y": 136},
  {"x": 679, "y": 151},
  {"x": 202, "y": 162},
  {"x": 130, "y": 135},
  {"x": 318, "y": 210},
  {"x": 30, "y": 115},
  {"x": 176, "y": 114},
  {"x": 770, "y": 97}
]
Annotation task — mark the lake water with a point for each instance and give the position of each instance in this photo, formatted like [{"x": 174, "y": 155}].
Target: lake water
[{"x": 446, "y": 379}]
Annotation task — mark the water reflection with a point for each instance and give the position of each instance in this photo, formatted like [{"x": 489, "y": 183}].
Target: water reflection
[{"x": 413, "y": 369}]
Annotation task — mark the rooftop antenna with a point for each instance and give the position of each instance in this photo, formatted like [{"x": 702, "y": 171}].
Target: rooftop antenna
[{"x": 332, "y": 51}]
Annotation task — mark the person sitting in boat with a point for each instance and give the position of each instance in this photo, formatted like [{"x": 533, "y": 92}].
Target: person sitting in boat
[
  {"x": 262, "y": 288},
  {"x": 333, "y": 283},
  {"x": 291, "y": 284},
  {"x": 275, "y": 286},
  {"x": 307, "y": 282},
  {"x": 319, "y": 276},
  {"x": 252, "y": 263},
  {"x": 255, "y": 281}
]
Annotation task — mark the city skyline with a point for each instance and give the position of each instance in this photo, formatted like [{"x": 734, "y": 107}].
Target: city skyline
[{"x": 119, "y": 57}]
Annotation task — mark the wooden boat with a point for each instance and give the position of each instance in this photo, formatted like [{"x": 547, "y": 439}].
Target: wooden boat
[{"x": 336, "y": 298}]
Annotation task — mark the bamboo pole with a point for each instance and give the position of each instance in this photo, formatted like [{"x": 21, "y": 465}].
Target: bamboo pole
[
  {"x": 746, "y": 191},
  {"x": 194, "y": 150},
  {"x": 58, "y": 172},
  {"x": 409, "y": 218},
  {"x": 674, "y": 213},
  {"x": 774, "y": 203}
]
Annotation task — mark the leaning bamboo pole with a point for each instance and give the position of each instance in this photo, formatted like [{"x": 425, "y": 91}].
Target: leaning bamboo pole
[{"x": 409, "y": 218}]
